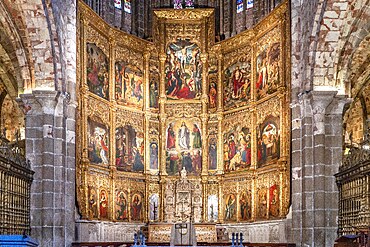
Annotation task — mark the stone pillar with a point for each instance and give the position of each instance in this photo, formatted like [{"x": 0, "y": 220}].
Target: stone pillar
[
  {"x": 50, "y": 146},
  {"x": 316, "y": 155}
]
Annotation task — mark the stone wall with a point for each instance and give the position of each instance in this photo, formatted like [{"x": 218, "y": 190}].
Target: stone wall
[
  {"x": 45, "y": 61},
  {"x": 275, "y": 231},
  {"x": 95, "y": 231}
]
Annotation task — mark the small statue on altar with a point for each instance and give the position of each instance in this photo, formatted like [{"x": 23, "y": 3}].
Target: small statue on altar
[{"x": 183, "y": 173}]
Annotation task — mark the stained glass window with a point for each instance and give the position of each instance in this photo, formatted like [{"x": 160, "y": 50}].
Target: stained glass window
[
  {"x": 189, "y": 4},
  {"x": 177, "y": 4},
  {"x": 239, "y": 6},
  {"x": 127, "y": 6},
  {"x": 249, "y": 4},
  {"x": 118, "y": 4}
]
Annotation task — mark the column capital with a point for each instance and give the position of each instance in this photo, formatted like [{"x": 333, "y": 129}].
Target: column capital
[
  {"x": 40, "y": 101},
  {"x": 320, "y": 100}
]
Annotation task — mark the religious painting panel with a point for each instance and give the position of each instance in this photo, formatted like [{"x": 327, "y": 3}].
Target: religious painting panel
[
  {"x": 153, "y": 154},
  {"x": 129, "y": 84},
  {"x": 237, "y": 148},
  {"x": 137, "y": 207},
  {"x": 237, "y": 84},
  {"x": 268, "y": 141},
  {"x": 212, "y": 91},
  {"x": 97, "y": 71},
  {"x": 121, "y": 206},
  {"x": 183, "y": 70},
  {"x": 274, "y": 201},
  {"x": 154, "y": 91},
  {"x": 212, "y": 154},
  {"x": 262, "y": 203},
  {"x": 129, "y": 149},
  {"x": 212, "y": 146},
  {"x": 153, "y": 207},
  {"x": 98, "y": 143},
  {"x": 268, "y": 63},
  {"x": 230, "y": 207},
  {"x": 212, "y": 208},
  {"x": 92, "y": 203},
  {"x": 103, "y": 204},
  {"x": 183, "y": 147},
  {"x": 245, "y": 205}
]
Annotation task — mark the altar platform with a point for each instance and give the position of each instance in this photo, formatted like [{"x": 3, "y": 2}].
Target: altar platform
[{"x": 161, "y": 232}]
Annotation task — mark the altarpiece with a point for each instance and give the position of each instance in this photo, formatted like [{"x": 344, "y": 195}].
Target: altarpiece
[{"x": 148, "y": 110}]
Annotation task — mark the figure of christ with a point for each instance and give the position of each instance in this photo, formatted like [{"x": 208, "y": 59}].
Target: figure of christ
[
  {"x": 184, "y": 136},
  {"x": 183, "y": 54},
  {"x": 262, "y": 74},
  {"x": 238, "y": 82},
  {"x": 104, "y": 149}
]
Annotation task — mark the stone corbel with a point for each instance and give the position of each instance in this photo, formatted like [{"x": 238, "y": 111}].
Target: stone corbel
[{"x": 320, "y": 100}]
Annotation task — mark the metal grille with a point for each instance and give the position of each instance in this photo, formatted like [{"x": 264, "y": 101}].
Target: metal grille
[
  {"x": 15, "y": 184},
  {"x": 353, "y": 182}
]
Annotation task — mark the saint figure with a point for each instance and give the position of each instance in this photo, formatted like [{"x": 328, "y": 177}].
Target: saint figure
[
  {"x": 212, "y": 96},
  {"x": 197, "y": 140},
  {"x": 153, "y": 156},
  {"x": 171, "y": 138},
  {"x": 230, "y": 208}
]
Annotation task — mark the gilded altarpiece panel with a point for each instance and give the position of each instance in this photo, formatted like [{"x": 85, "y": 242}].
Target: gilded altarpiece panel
[
  {"x": 237, "y": 78},
  {"x": 154, "y": 86},
  {"x": 213, "y": 84},
  {"x": 237, "y": 140},
  {"x": 268, "y": 63},
  {"x": 129, "y": 139},
  {"x": 151, "y": 109}
]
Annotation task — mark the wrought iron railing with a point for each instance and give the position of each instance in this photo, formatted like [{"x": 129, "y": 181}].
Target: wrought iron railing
[
  {"x": 15, "y": 185},
  {"x": 353, "y": 180}
]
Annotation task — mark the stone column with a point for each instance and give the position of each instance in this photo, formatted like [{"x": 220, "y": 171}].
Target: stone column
[
  {"x": 316, "y": 155},
  {"x": 50, "y": 146}
]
